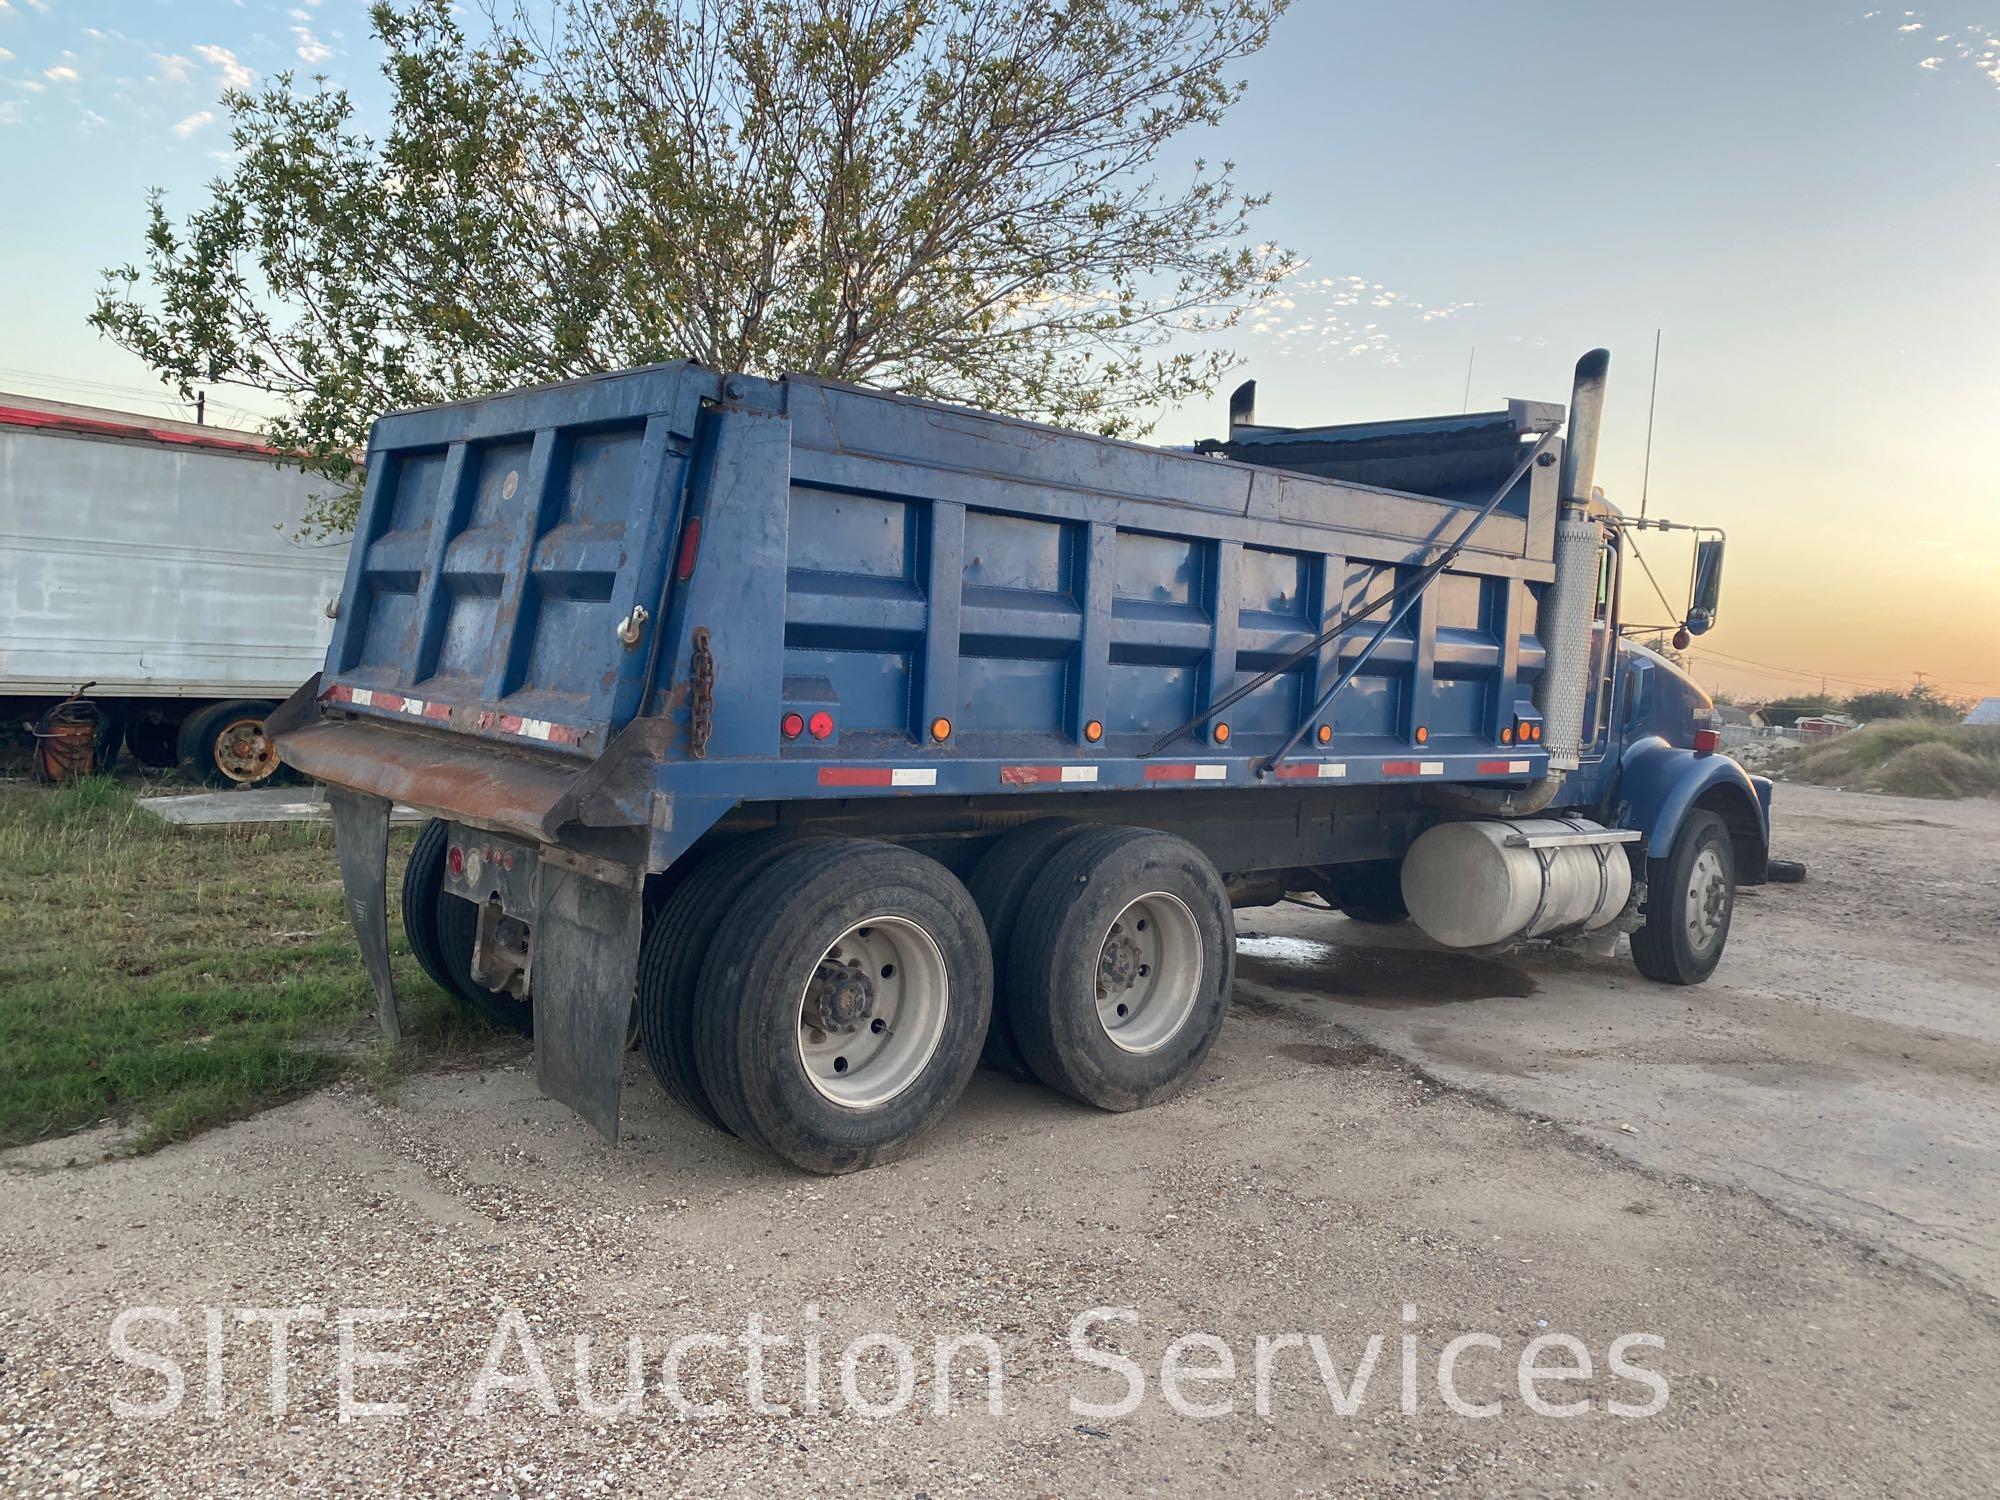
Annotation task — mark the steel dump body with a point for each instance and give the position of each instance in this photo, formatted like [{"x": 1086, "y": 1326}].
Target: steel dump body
[{"x": 587, "y": 613}]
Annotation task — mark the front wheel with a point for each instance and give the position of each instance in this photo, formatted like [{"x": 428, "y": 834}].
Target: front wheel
[{"x": 1690, "y": 896}]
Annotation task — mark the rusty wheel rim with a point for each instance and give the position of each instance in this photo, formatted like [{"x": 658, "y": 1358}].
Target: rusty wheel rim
[{"x": 244, "y": 752}]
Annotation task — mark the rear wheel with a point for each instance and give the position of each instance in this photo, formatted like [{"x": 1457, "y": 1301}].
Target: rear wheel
[
  {"x": 1690, "y": 896},
  {"x": 998, "y": 883},
  {"x": 677, "y": 944},
  {"x": 154, "y": 743},
  {"x": 843, "y": 1003},
  {"x": 458, "y": 934},
  {"x": 1120, "y": 966},
  {"x": 226, "y": 744},
  {"x": 423, "y": 886}
]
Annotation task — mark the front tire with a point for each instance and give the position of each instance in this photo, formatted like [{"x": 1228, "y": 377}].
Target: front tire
[
  {"x": 842, "y": 1005},
  {"x": 1690, "y": 897},
  {"x": 1119, "y": 973}
]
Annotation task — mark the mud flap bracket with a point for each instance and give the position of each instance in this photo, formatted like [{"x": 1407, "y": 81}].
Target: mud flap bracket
[
  {"x": 361, "y": 839},
  {"x": 586, "y": 947}
]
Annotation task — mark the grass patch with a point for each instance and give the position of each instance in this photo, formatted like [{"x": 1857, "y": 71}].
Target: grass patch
[
  {"x": 183, "y": 976},
  {"x": 1904, "y": 757}
]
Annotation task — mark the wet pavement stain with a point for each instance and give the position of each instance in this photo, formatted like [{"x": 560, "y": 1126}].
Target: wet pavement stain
[{"x": 1377, "y": 978}]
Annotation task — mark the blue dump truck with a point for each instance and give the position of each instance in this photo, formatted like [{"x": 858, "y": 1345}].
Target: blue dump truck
[{"x": 825, "y": 740}]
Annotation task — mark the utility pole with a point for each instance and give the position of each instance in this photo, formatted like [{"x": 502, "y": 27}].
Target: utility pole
[{"x": 1465, "y": 405}]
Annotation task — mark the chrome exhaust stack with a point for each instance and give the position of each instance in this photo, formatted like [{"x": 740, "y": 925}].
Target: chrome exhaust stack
[
  {"x": 1564, "y": 623},
  {"x": 1567, "y": 607}
]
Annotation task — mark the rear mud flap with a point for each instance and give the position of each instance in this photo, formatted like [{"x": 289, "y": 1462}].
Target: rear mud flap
[
  {"x": 361, "y": 838},
  {"x": 586, "y": 957}
]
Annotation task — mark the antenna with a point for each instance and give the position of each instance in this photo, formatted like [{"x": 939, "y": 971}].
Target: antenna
[
  {"x": 1652, "y": 402},
  {"x": 1466, "y": 404}
]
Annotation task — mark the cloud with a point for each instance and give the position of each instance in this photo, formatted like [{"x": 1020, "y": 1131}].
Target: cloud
[
  {"x": 173, "y": 68},
  {"x": 199, "y": 120},
  {"x": 1319, "y": 315},
  {"x": 311, "y": 48},
  {"x": 234, "y": 74},
  {"x": 1974, "y": 43},
  {"x": 10, "y": 111},
  {"x": 60, "y": 73}
]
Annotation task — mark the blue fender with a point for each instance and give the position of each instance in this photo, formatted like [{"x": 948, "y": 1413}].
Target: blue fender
[{"x": 1658, "y": 784}]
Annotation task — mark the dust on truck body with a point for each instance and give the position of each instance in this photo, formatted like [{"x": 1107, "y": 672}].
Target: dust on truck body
[{"x": 831, "y": 740}]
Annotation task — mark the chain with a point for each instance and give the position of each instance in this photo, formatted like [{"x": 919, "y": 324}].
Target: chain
[{"x": 701, "y": 708}]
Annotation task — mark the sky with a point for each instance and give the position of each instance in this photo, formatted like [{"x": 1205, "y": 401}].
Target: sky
[{"x": 1801, "y": 196}]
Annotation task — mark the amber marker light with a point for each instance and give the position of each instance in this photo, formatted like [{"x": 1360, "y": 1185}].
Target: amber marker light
[
  {"x": 1326, "y": 734},
  {"x": 940, "y": 729},
  {"x": 1222, "y": 734},
  {"x": 1093, "y": 731},
  {"x": 1423, "y": 735}
]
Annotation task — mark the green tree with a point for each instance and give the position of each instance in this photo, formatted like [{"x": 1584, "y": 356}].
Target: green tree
[
  {"x": 1920, "y": 701},
  {"x": 961, "y": 199}
]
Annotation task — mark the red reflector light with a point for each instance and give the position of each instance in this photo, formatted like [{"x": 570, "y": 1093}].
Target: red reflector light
[
  {"x": 1707, "y": 741},
  {"x": 821, "y": 724},
  {"x": 690, "y": 544},
  {"x": 456, "y": 859},
  {"x": 793, "y": 725}
]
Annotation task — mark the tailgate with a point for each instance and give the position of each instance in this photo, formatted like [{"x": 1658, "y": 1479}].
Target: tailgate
[{"x": 500, "y": 545}]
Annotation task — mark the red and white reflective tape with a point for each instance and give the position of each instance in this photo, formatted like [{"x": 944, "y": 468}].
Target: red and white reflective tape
[
  {"x": 878, "y": 776},
  {"x": 395, "y": 703},
  {"x": 1311, "y": 771},
  {"x": 1413, "y": 768},
  {"x": 531, "y": 729},
  {"x": 1503, "y": 768},
  {"x": 1186, "y": 773},
  {"x": 1032, "y": 775}
]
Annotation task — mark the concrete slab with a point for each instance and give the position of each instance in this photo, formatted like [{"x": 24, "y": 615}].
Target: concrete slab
[{"x": 274, "y": 804}]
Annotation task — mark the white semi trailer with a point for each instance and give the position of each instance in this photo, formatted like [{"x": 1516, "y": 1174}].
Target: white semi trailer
[{"x": 158, "y": 566}]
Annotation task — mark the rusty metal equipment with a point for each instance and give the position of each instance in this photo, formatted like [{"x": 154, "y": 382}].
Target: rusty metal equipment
[{"x": 69, "y": 738}]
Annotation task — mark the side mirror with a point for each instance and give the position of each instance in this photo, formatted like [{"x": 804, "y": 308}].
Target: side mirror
[{"x": 1707, "y": 593}]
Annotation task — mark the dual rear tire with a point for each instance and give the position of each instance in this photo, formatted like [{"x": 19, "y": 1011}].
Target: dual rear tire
[
  {"x": 1119, "y": 963},
  {"x": 829, "y": 998}
]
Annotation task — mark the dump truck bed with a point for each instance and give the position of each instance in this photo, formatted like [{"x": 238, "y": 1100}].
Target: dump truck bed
[{"x": 631, "y": 603}]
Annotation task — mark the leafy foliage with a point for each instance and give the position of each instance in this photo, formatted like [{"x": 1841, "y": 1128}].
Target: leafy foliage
[{"x": 959, "y": 199}]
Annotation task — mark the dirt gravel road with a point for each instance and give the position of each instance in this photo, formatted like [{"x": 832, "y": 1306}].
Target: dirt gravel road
[{"x": 1397, "y": 1146}]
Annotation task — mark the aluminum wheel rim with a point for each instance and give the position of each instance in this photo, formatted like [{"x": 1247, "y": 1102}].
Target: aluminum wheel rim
[
  {"x": 1707, "y": 900},
  {"x": 1149, "y": 972},
  {"x": 887, "y": 1049},
  {"x": 244, "y": 752}
]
